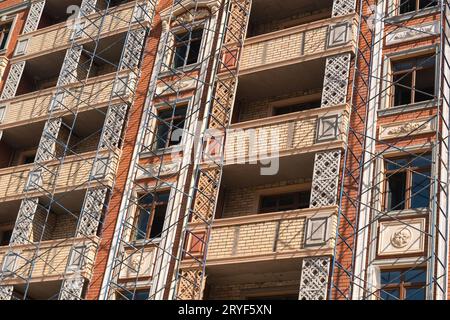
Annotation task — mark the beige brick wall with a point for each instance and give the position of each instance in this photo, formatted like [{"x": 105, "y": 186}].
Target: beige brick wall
[
  {"x": 78, "y": 145},
  {"x": 57, "y": 226},
  {"x": 65, "y": 226},
  {"x": 276, "y": 137},
  {"x": 87, "y": 144},
  {"x": 257, "y": 238},
  {"x": 73, "y": 173},
  {"x": 284, "y": 47},
  {"x": 52, "y": 258},
  {"x": 28, "y": 107},
  {"x": 58, "y": 36},
  {"x": 13, "y": 181},
  {"x": 291, "y": 235},
  {"x": 43, "y": 225}
]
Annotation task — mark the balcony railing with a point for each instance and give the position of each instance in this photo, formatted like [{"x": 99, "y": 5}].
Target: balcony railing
[
  {"x": 59, "y": 36},
  {"x": 48, "y": 262},
  {"x": 300, "y": 43},
  {"x": 73, "y": 175},
  {"x": 34, "y": 106},
  {"x": 289, "y": 234},
  {"x": 294, "y": 133}
]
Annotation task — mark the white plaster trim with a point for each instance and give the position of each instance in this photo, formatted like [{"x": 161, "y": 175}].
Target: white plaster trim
[{"x": 361, "y": 249}]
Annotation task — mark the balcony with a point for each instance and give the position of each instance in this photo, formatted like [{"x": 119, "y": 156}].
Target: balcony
[
  {"x": 290, "y": 134},
  {"x": 73, "y": 175},
  {"x": 272, "y": 236},
  {"x": 51, "y": 261},
  {"x": 59, "y": 36},
  {"x": 34, "y": 106},
  {"x": 297, "y": 44}
]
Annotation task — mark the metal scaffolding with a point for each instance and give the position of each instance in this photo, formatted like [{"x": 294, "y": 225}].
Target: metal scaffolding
[
  {"x": 355, "y": 272},
  {"x": 70, "y": 95},
  {"x": 194, "y": 175},
  {"x": 172, "y": 263}
]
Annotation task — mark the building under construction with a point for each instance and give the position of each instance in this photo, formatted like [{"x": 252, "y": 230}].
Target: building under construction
[{"x": 224, "y": 149}]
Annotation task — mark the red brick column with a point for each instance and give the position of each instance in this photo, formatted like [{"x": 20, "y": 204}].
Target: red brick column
[{"x": 129, "y": 143}]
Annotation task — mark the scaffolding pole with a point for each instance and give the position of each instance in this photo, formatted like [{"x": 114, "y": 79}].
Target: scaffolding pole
[
  {"x": 193, "y": 176},
  {"x": 42, "y": 197},
  {"x": 363, "y": 207}
]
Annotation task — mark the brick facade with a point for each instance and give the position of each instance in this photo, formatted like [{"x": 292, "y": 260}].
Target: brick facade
[
  {"x": 215, "y": 243},
  {"x": 134, "y": 121}
]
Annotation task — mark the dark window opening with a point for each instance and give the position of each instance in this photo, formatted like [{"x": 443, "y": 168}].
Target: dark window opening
[
  {"x": 137, "y": 295},
  {"x": 57, "y": 12},
  {"x": 269, "y": 16},
  {"x": 29, "y": 158},
  {"x": 113, "y": 3},
  {"x": 406, "y": 6},
  {"x": 5, "y": 29},
  {"x": 101, "y": 4},
  {"x": 5, "y": 237},
  {"x": 285, "y": 201},
  {"x": 408, "y": 182},
  {"x": 149, "y": 221},
  {"x": 187, "y": 48},
  {"x": 403, "y": 284},
  {"x": 277, "y": 111},
  {"x": 285, "y": 296},
  {"x": 170, "y": 127},
  {"x": 414, "y": 80}
]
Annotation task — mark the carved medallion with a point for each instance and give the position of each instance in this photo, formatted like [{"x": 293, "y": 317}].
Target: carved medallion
[{"x": 401, "y": 237}]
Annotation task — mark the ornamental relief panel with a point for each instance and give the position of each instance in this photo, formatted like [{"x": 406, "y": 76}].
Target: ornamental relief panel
[
  {"x": 172, "y": 87},
  {"x": 158, "y": 170},
  {"x": 407, "y": 128},
  {"x": 408, "y": 34},
  {"x": 402, "y": 237},
  {"x": 137, "y": 263},
  {"x": 188, "y": 11}
]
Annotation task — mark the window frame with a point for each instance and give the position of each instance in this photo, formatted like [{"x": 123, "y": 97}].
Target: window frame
[
  {"x": 402, "y": 286},
  {"x": 386, "y": 103},
  {"x": 169, "y": 143},
  {"x": 151, "y": 215},
  {"x": 317, "y": 96},
  {"x": 278, "y": 207},
  {"x": 417, "y": 8},
  {"x": 413, "y": 73},
  {"x": 175, "y": 45},
  {"x": 408, "y": 181},
  {"x": 120, "y": 295}
]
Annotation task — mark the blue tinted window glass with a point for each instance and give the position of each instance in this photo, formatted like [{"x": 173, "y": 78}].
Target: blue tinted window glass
[
  {"x": 390, "y": 277},
  {"x": 420, "y": 190},
  {"x": 393, "y": 294},
  {"x": 415, "y": 294},
  {"x": 415, "y": 276}
]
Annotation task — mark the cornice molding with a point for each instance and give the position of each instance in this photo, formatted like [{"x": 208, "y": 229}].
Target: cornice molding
[{"x": 184, "y": 7}]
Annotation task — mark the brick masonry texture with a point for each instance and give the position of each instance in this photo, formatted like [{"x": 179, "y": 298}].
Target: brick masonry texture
[{"x": 125, "y": 162}]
